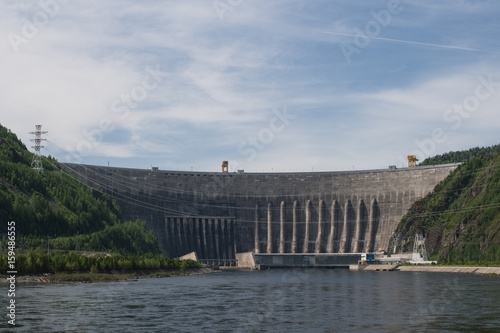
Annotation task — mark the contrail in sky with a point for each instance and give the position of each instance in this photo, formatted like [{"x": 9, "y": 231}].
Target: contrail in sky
[{"x": 411, "y": 42}]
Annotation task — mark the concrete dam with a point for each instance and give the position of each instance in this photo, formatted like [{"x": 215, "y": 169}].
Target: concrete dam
[{"x": 220, "y": 214}]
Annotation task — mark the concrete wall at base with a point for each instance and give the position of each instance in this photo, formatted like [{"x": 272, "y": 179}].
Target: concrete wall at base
[
  {"x": 190, "y": 256},
  {"x": 219, "y": 214},
  {"x": 307, "y": 260},
  {"x": 246, "y": 260}
]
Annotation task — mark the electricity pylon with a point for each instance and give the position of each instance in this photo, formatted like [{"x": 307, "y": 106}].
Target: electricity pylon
[{"x": 36, "y": 163}]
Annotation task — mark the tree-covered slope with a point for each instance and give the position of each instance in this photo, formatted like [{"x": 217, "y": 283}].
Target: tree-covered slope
[
  {"x": 460, "y": 156},
  {"x": 54, "y": 206},
  {"x": 461, "y": 218}
]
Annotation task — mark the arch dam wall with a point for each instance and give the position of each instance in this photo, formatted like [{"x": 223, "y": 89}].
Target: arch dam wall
[{"x": 219, "y": 214}]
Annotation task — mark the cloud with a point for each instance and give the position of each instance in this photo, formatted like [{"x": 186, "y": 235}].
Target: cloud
[{"x": 222, "y": 79}]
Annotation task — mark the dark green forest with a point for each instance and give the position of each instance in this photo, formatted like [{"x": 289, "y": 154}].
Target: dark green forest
[
  {"x": 460, "y": 156},
  {"x": 55, "y": 211},
  {"x": 460, "y": 219},
  {"x": 37, "y": 261}
]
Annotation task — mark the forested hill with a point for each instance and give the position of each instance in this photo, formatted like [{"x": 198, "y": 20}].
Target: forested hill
[
  {"x": 460, "y": 220},
  {"x": 460, "y": 156},
  {"x": 56, "y": 208}
]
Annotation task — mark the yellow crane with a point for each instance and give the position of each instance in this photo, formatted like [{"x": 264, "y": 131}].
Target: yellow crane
[
  {"x": 412, "y": 161},
  {"x": 225, "y": 166}
]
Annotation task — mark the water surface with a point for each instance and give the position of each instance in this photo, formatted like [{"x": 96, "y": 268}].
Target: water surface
[{"x": 260, "y": 301}]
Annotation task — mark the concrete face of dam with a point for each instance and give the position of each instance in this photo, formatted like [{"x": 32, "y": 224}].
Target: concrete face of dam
[{"x": 220, "y": 214}]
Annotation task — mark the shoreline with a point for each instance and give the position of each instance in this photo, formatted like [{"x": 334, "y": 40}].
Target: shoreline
[
  {"x": 134, "y": 275},
  {"x": 479, "y": 270},
  {"x": 490, "y": 271},
  {"x": 111, "y": 276}
]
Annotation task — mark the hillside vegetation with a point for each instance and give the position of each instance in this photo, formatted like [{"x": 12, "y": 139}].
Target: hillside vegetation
[
  {"x": 460, "y": 156},
  {"x": 57, "y": 212},
  {"x": 461, "y": 218}
]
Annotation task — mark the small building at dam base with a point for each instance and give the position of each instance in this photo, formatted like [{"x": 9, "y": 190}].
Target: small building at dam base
[{"x": 317, "y": 260}]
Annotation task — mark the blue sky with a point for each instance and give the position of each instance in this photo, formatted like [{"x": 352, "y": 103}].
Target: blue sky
[{"x": 268, "y": 85}]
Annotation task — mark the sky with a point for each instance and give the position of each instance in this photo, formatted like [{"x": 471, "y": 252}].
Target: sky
[{"x": 270, "y": 86}]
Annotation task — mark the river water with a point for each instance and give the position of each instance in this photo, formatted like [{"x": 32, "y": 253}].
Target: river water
[{"x": 260, "y": 301}]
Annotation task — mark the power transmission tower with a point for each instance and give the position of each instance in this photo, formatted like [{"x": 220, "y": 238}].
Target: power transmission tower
[
  {"x": 36, "y": 163},
  {"x": 419, "y": 252}
]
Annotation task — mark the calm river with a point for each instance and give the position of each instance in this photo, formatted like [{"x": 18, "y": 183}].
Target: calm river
[{"x": 261, "y": 301}]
